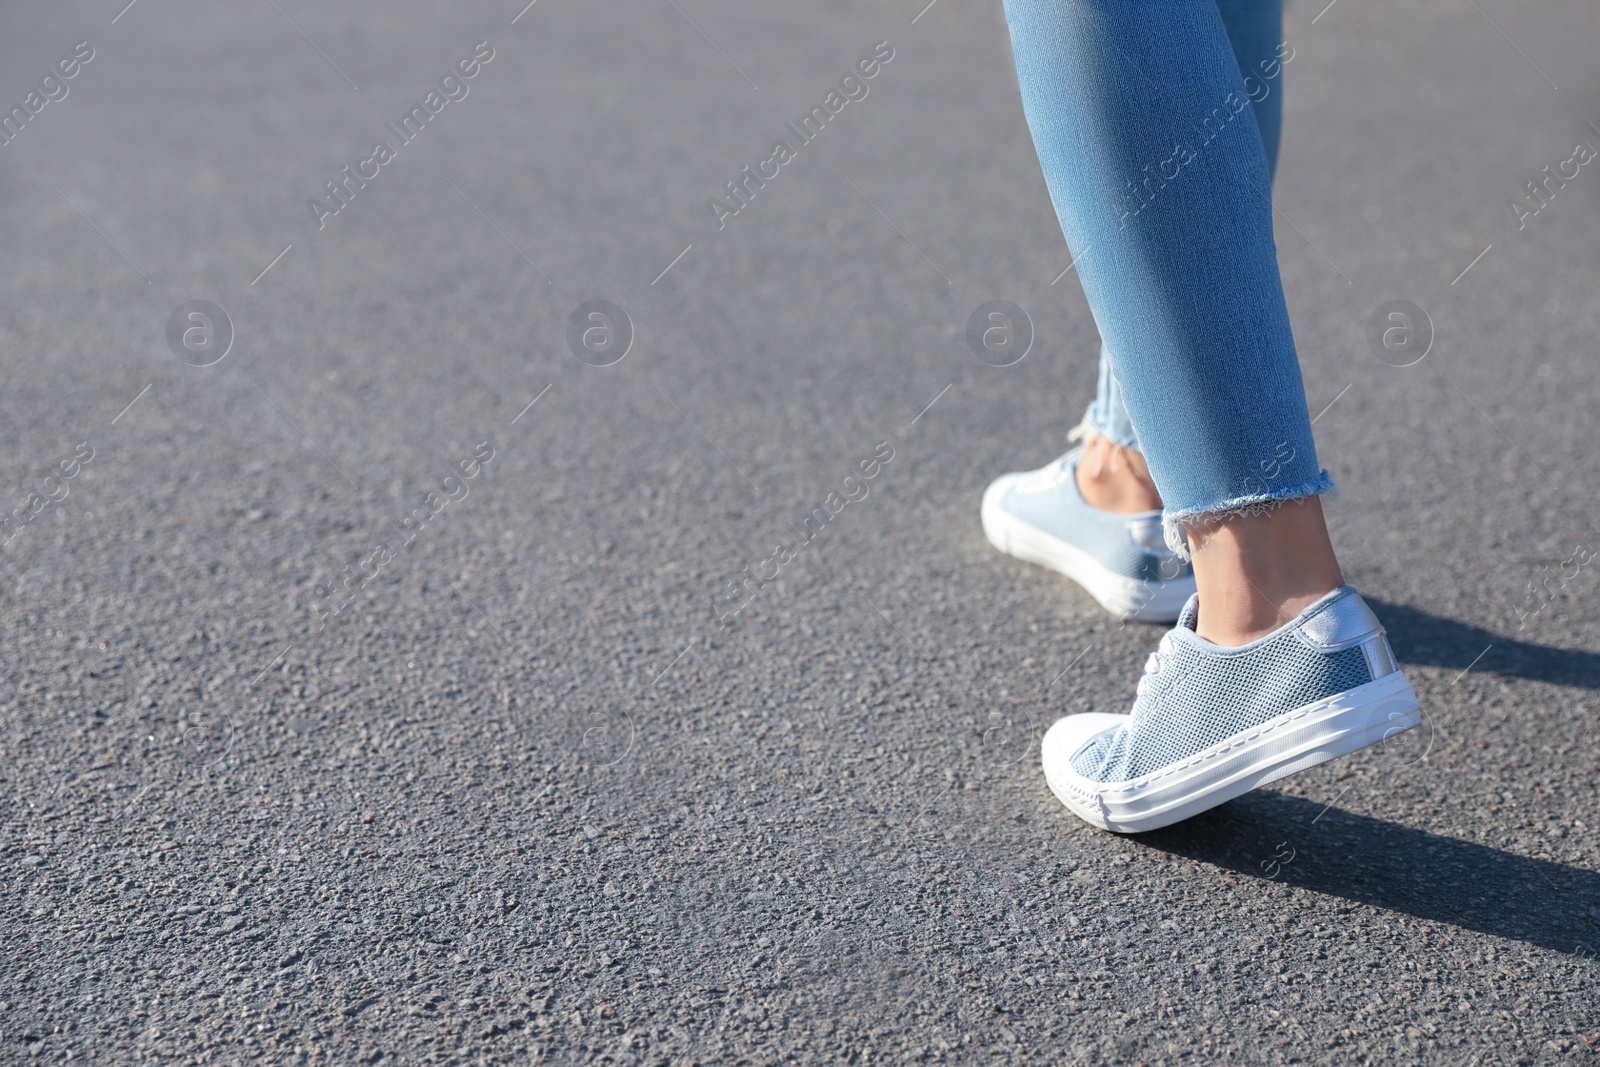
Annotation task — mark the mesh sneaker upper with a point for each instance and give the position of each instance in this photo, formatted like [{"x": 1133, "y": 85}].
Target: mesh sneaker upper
[
  {"x": 1127, "y": 545},
  {"x": 1196, "y": 694}
]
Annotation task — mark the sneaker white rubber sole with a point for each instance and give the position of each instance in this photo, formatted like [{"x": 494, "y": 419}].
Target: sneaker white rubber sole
[
  {"x": 1126, "y": 598},
  {"x": 1302, "y": 738}
]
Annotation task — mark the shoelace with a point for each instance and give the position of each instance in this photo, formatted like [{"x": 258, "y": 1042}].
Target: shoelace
[
  {"x": 1049, "y": 477},
  {"x": 1086, "y": 433},
  {"x": 1046, "y": 478},
  {"x": 1154, "y": 663}
]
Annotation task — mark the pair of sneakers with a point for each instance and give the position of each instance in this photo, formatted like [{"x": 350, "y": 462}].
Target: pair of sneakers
[{"x": 1208, "y": 723}]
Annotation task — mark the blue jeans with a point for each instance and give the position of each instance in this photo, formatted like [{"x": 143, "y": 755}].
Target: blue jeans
[{"x": 1156, "y": 124}]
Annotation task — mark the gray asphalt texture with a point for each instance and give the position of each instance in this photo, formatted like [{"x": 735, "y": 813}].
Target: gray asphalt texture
[{"x": 524, "y": 797}]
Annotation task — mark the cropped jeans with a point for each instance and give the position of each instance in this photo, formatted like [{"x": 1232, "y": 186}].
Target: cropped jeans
[{"x": 1156, "y": 123}]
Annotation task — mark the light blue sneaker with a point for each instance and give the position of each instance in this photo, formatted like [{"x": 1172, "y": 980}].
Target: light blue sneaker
[
  {"x": 1211, "y": 723},
  {"x": 1122, "y": 560}
]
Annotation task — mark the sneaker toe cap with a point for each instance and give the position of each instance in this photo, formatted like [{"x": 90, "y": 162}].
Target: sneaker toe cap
[
  {"x": 998, "y": 489},
  {"x": 1068, "y": 735}
]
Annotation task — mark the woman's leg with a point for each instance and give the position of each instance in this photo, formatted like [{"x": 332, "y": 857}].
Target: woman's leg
[
  {"x": 1255, "y": 30},
  {"x": 1160, "y": 175},
  {"x": 1113, "y": 476}
]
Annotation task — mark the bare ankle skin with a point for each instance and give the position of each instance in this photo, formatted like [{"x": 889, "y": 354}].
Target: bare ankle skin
[
  {"x": 1256, "y": 572},
  {"x": 1115, "y": 479}
]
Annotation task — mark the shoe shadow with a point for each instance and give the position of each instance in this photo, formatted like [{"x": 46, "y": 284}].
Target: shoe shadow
[
  {"x": 1298, "y": 842},
  {"x": 1419, "y": 637}
]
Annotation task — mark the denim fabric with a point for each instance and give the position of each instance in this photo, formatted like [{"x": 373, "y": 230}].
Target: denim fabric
[
  {"x": 1255, "y": 30},
  {"x": 1108, "y": 414},
  {"x": 1157, "y": 160}
]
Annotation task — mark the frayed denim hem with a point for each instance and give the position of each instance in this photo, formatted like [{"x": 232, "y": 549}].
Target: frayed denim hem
[{"x": 1174, "y": 523}]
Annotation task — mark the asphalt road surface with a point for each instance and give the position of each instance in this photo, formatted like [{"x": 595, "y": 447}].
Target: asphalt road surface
[{"x": 376, "y": 687}]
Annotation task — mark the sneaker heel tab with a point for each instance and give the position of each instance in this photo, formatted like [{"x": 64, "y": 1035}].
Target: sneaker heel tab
[{"x": 1341, "y": 623}]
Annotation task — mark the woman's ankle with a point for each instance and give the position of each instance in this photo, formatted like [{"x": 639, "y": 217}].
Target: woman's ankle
[
  {"x": 1254, "y": 573},
  {"x": 1114, "y": 478}
]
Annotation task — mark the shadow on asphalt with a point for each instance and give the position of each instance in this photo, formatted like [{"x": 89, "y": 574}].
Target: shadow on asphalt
[
  {"x": 1439, "y": 879},
  {"x": 1435, "y": 641}
]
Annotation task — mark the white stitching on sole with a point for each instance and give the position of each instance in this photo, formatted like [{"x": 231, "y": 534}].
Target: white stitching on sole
[{"x": 1097, "y": 795}]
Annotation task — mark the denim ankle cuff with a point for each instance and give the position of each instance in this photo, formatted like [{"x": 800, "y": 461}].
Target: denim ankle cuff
[{"x": 1175, "y": 523}]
